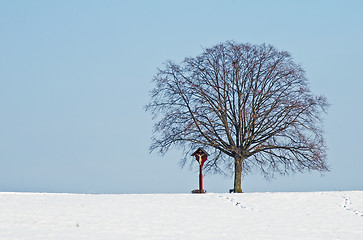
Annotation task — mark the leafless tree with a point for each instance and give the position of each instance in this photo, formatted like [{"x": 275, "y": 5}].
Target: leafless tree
[{"x": 251, "y": 104}]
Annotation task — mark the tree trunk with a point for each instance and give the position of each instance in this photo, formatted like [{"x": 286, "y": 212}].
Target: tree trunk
[{"x": 237, "y": 174}]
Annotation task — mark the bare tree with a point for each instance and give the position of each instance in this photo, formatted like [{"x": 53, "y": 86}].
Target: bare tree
[{"x": 251, "y": 104}]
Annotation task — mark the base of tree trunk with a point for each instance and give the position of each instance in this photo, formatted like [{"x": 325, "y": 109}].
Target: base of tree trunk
[
  {"x": 235, "y": 191},
  {"x": 199, "y": 191}
]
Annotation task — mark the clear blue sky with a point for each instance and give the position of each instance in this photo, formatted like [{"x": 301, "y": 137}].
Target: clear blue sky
[{"x": 75, "y": 76}]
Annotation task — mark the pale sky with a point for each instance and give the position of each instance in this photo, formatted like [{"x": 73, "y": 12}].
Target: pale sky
[{"x": 75, "y": 76}]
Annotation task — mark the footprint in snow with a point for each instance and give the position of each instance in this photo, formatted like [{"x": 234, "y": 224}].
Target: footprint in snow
[
  {"x": 347, "y": 205},
  {"x": 238, "y": 204}
]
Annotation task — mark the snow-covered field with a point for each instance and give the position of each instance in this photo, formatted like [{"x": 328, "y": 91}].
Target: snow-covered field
[{"x": 316, "y": 215}]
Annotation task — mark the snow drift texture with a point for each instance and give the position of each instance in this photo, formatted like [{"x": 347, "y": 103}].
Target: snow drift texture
[{"x": 318, "y": 215}]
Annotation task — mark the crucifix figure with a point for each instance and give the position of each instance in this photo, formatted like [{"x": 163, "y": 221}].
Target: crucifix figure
[{"x": 201, "y": 156}]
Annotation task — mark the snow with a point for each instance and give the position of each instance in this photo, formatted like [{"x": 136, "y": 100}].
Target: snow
[{"x": 312, "y": 215}]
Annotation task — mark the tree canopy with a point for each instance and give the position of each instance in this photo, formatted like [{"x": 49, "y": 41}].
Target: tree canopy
[{"x": 251, "y": 104}]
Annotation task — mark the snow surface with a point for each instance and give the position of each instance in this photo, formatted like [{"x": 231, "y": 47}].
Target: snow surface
[{"x": 315, "y": 215}]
